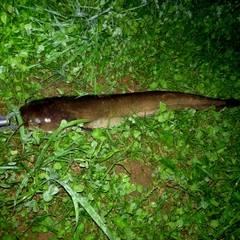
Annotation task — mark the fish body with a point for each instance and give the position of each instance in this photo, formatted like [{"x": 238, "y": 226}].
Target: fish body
[{"x": 109, "y": 110}]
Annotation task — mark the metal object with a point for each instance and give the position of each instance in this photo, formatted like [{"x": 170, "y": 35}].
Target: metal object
[{"x": 5, "y": 120}]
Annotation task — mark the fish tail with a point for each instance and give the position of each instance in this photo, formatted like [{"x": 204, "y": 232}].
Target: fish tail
[{"x": 232, "y": 102}]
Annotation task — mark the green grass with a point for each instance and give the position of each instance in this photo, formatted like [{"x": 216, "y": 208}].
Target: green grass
[{"x": 171, "y": 176}]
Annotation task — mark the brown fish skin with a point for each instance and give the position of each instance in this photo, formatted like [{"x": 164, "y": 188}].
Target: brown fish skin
[{"x": 108, "y": 110}]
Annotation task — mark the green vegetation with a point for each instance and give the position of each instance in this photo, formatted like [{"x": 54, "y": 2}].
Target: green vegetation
[{"x": 172, "y": 176}]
